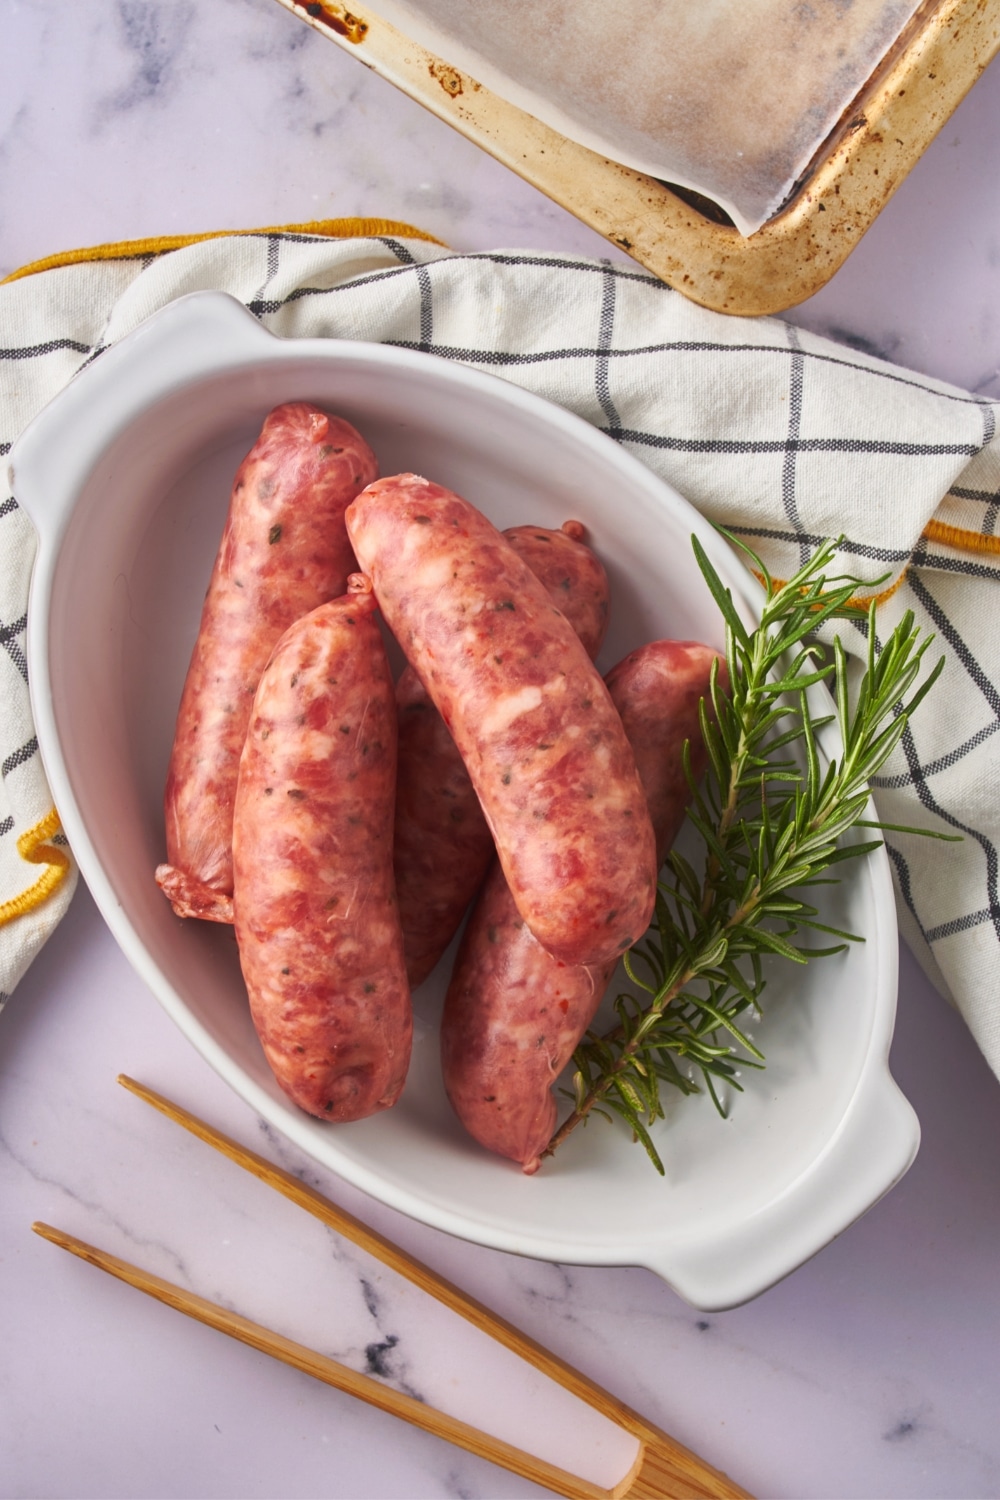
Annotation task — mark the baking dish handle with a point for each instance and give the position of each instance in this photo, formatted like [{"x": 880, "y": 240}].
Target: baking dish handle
[
  {"x": 53, "y": 457},
  {"x": 874, "y": 1147}
]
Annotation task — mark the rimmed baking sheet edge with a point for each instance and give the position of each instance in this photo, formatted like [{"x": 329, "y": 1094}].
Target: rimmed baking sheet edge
[{"x": 790, "y": 257}]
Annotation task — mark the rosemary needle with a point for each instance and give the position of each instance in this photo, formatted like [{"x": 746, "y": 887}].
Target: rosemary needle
[{"x": 771, "y": 820}]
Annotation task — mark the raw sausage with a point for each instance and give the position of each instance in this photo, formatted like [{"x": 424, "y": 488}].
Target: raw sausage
[
  {"x": 442, "y": 843},
  {"x": 514, "y": 1015},
  {"x": 572, "y": 573},
  {"x": 536, "y": 727},
  {"x": 284, "y": 551},
  {"x": 314, "y": 905}
]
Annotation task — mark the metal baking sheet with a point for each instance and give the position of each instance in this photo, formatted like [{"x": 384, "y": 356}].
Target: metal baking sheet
[{"x": 687, "y": 240}]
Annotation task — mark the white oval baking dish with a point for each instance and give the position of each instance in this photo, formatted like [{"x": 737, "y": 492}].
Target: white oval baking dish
[{"x": 126, "y": 477}]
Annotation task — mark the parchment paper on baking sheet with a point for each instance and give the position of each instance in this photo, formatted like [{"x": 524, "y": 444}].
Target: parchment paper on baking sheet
[{"x": 732, "y": 98}]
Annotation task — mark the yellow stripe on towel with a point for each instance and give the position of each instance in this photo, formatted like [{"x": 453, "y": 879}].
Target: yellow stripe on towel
[
  {"x": 957, "y": 537},
  {"x": 334, "y": 229},
  {"x": 961, "y": 539},
  {"x": 32, "y": 847}
]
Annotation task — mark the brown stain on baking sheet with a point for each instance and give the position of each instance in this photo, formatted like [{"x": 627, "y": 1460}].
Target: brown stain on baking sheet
[
  {"x": 448, "y": 78},
  {"x": 337, "y": 18}
]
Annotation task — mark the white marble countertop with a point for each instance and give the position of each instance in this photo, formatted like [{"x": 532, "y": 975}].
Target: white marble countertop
[{"x": 871, "y": 1371}]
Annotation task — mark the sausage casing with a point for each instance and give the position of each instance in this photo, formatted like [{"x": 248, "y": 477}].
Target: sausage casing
[
  {"x": 533, "y": 721},
  {"x": 442, "y": 843},
  {"x": 573, "y": 576},
  {"x": 514, "y": 1015},
  {"x": 284, "y": 550},
  {"x": 313, "y": 901}
]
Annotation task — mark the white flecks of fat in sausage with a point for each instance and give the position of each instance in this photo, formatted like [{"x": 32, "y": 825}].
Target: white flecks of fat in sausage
[
  {"x": 356, "y": 897},
  {"x": 425, "y": 569},
  {"x": 508, "y": 707},
  {"x": 361, "y": 722},
  {"x": 537, "y": 870}
]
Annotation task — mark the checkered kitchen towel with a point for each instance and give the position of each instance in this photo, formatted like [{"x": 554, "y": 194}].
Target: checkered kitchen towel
[{"x": 780, "y": 435}]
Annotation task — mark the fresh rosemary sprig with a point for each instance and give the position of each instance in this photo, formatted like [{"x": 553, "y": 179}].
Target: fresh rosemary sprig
[{"x": 772, "y": 822}]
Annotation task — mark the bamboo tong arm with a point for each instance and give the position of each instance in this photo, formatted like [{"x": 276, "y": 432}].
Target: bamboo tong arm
[
  {"x": 663, "y": 1469},
  {"x": 389, "y": 1254},
  {"x": 329, "y": 1370}
]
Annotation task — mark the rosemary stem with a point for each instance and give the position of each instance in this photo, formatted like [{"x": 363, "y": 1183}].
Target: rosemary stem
[
  {"x": 748, "y": 725},
  {"x": 577, "y": 1117},
  {"x": 657, "y": 1006}
]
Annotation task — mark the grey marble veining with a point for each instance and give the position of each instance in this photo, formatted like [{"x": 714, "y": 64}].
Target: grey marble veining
[
  {"x": 873, "y": 1370},
  {"x": 138, "y": 119}
]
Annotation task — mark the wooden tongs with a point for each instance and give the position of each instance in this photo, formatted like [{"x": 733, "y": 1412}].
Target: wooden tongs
[{"x": 663, "y": 1468}]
